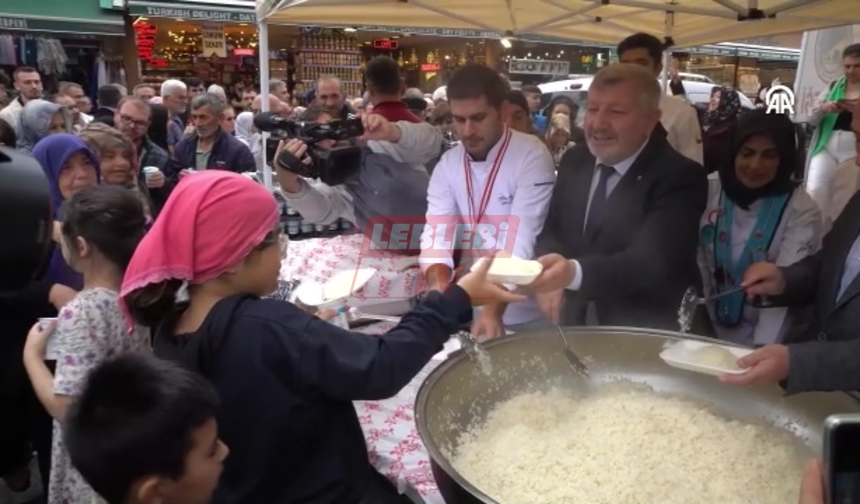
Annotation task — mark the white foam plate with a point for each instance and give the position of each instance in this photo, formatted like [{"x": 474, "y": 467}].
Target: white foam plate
[
  {"x": 336, "y": 290},
  {"x": 512, "y": 270},
  {"x": 680, "y": 355}
]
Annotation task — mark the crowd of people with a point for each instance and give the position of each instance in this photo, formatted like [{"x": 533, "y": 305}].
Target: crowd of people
[{"x": 163, "y": 248}]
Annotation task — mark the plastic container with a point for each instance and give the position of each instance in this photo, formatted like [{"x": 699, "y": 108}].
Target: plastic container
[
  {"x": 685, "y": 355},
  {"x": 512, "y": 270},
  {"x": 51, "y": 350},
  {"x": 336, "y": 291}
]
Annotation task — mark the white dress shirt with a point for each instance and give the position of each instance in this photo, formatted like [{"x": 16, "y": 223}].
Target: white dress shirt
[
  {"x": 523, "y": 188},
  {"x": 620, "y": 170},
  {"x": 797, "y": 236},
  {"x": 682, "y": 125}
]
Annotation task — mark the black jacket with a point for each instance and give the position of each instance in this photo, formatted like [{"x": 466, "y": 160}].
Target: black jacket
[
  {"x": 153, "y": 155},
  {"x": 228, "y": 153},
  {"x": 287, "y": 383},
  {"x": 641, "y": 259},
  {"x": 826, "y": 355}
]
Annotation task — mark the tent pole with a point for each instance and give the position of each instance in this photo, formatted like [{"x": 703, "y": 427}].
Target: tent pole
[
  {"x": 669, "y": 28},
  {"x": 263, "y": 50}
]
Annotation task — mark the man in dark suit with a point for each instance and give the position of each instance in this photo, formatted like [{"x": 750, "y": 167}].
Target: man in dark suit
[
  {"x": 826, "y": 356},
  {"x": 109, "y": 97},
  {"x": 623, "y": 226}
]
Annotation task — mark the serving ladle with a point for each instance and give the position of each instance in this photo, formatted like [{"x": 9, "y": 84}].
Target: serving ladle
[
  {"x": 575, "y": 362},
  {"x": 692, "y": 300}
]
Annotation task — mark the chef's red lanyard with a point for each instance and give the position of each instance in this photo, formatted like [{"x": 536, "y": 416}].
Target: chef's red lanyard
[{"x": 491, "y": 180}]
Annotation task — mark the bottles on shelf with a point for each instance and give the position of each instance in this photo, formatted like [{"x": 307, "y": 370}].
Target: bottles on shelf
[
  {"x": 331, "y": 52},
  {"x": 297, "y": 228}
]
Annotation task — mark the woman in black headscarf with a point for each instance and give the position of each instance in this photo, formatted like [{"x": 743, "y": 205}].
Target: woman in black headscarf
[
  {"x": 756, "y": 212},
  {"x": 718, "y": 123},
  {"x": 157, "y": 131},
  {"x": 564, "y": 105}
]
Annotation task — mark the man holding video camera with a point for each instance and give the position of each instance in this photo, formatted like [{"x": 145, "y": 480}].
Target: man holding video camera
[{"x": 383, "y": 184}]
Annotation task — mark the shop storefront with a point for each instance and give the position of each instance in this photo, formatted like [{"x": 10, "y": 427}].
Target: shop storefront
[
  {"x": 177, "y": 40},
  {"x": 743, "y": 66},
  {"x": 77, "y": 41}
]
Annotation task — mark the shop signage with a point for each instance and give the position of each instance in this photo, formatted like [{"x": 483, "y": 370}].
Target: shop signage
[
  {"x": 145, "y": 34},
  {"x": 243, "y": 52},
  {"x": 216, "y": 15},
  {"x": 13, "y": 23},
  {"x": 430, "y": 67},
  {"x": 81, "y": 28},
  {"x": 439, "y": 32},
  {"x": 386, "y": 44},
  {"x": 538, "y": 67},
  {"x": 213, "y": 40}
]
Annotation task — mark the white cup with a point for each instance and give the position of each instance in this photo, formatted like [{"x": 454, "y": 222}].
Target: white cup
[
  {"x": 51, "y": 350},
  {"x": 149, "y": 171}
]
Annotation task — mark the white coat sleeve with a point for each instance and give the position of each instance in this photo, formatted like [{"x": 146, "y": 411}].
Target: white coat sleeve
[
  {"x": 802, "y": 238},
  {"x": 322, "y": 204},
  {"x": 420, "y": 144},
  {"x": 535, "y": 183},
  {"x": 441, "y": 206}
]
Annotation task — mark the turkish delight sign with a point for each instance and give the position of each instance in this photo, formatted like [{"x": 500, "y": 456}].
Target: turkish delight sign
[{"x": 213, "y": 40}]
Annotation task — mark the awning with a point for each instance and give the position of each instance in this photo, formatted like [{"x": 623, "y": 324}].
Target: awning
[
  {"x": 80, "y": 17},
  {"x": 687, "y": 22},
  {"x": 192, "y": 12}
]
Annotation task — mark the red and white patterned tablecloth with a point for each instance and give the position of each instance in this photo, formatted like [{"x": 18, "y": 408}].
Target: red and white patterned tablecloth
[{"x": 393, "y": 444}]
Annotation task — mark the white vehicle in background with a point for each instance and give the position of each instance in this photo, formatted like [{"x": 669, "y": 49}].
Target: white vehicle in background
[{"x": 698, "y": 93}]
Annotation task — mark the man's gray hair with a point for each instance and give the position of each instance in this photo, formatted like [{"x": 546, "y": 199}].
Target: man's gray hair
[
  {"x": 218, "y": 91},
  {"x": 276, "y": 85},
  {"x": 170, "y": 86},
  {"x": 215, "y": 104},
  {"x": 642, "y": 79},
  {"x": 413, "y": 92}
]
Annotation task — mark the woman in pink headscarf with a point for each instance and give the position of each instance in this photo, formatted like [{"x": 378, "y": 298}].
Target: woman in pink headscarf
[{"x": 286, "y": 379}]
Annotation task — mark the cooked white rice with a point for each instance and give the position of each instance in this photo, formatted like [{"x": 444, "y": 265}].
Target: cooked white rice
[{"x": 627, "y": 445}]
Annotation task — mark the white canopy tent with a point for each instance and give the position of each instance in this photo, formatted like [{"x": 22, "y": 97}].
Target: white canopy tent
[
  {"x": 683, "y": 23},
  {"x": 688, "y": 22}
]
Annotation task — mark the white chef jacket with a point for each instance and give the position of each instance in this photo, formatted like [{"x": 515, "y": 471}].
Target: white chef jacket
[
  {"x": 682, "y": 124},
  {"x": 798, "y": 235},
  {"x": 523, "y": 187}
]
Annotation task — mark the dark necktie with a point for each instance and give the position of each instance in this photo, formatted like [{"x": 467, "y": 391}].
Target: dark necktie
[{"x": 598, "y": 200}]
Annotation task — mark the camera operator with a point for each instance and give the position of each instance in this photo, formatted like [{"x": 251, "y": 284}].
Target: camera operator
[{"x": 385, "y": 185}]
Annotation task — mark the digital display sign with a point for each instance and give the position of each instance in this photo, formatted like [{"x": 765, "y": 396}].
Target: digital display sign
[{"x": 386, "y": 44}]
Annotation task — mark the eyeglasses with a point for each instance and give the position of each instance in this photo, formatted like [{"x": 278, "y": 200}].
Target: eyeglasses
[{"x": 137, "y": 123}]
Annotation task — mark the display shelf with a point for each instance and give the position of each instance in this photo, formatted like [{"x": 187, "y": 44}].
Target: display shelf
[{"x": 330, "y": 52}]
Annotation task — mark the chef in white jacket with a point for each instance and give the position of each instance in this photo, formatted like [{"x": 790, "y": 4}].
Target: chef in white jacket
[
  {"x": 678, "y": 117},
  {"x": 494, "y": 171},
  {"x": 755, "y": 213}
]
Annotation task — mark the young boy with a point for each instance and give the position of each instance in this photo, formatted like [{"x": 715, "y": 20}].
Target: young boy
[{"x": 143, "y": 431}]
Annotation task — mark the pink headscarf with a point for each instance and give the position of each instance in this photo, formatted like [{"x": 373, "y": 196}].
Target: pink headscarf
[{"x": 212, "y": 220}]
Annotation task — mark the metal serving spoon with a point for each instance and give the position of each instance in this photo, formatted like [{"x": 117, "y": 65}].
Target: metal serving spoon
[
  {"x": 691, "y": 301},
  {"x": 572, "y": 359}
]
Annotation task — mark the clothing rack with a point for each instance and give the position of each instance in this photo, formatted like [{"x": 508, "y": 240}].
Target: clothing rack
[{"x": 45, "y": 53}]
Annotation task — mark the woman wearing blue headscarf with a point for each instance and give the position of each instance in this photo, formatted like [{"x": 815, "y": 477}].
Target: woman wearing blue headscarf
[{"x": 70, "y": 166}]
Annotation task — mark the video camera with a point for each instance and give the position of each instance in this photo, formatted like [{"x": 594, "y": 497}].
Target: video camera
[{"x": 331, "y": 166}]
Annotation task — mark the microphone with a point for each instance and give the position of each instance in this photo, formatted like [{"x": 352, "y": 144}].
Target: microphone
[{"x": 269, "y": 121}]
